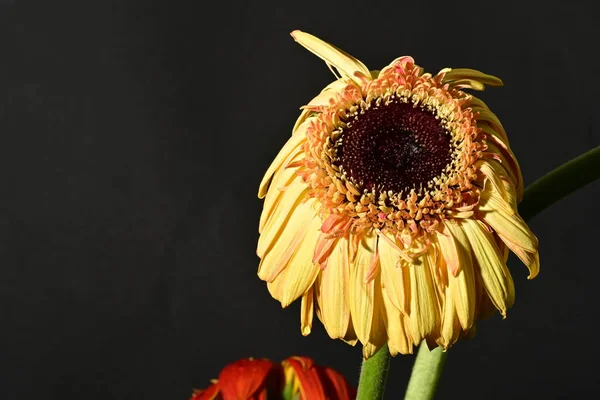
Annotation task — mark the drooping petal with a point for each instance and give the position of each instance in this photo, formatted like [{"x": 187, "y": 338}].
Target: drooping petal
[
  {"x": 378, "y": 335},
  {"x": 463, "y": 284},
  {"x": 277, "y": 248},
  {"x": 424, "y": 312},
  {"x": 300, "y": 272},
  {"x": 344, "y": 63},
  {"x": 507, "y": 159},
  {"x": 242, "y": 379},
  {"x": 496, "y": 277},
  {"x": 450, "y": 325},
  {"x": 511, "y": 228},
  {"x": 362, "y": 300},
  {"x": 333, "y": 291},
  {"x": 449, "y": 252},
  {"x": 307, "y": 312},
  {"x": 291, "y": 198},
  {"x": 398, "y": 341},
  {"x": 395, "y": 275}
]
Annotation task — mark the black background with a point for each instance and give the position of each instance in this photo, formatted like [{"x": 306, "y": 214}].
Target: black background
[{"x": 134, "y": 136}]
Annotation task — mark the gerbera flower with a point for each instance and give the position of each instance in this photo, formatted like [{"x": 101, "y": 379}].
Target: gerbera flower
[
  {"x": 294, "y": 378},
  {"x": 391, "y": 209}
]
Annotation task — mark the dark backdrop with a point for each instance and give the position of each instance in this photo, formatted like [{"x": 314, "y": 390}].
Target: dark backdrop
[{"x": 134, "y": 135}]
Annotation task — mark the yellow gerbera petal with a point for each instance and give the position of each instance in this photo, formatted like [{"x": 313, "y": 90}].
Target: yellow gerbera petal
[
  {"x": 451, "y": 326},
  {"x": 378, "y": 335},
  {"x": 460, "y": 74},
  {"x": 344, "y": 63},
  {"x": 398, "y": 339},
  {"x": 307, "y": 312},
  {"x": 279, "y": 212},
  {"x": 511, "y": 228},
  {"x": 299, "y": 273},
  {"x": 333, "y": 291},
  {"x": 361, "y": 292},
  {"x": 496, "y": 278},
  {"x": 284, "y": 244},
  {"x": 463, "y": 284},
  {"x": 396, "y": 276},
  {"x": 424, "y": 312}
]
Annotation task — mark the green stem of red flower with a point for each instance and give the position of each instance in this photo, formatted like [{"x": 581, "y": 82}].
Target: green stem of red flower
[
  {"x": 428, "y": 366},
  {"x": 373, "y": 375}
]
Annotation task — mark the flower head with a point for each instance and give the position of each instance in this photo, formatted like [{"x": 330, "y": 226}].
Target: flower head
[
  {"x": 294, "y": 378},
  {"x": 392, "y": 208}
]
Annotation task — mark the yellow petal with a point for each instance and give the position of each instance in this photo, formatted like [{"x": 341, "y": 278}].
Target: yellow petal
[
  {"x": 451, "y": 327},
  {"x": 378, "y": 336},
  {"x": 350, "y": 337},
  {"x": 395, "y": 275},
  {"x": 333, "y": 291},
  {"x": 398, "y": 341},
  {"x": 344, "y": 63},
  {"x": 449, "y": 252},
  {"x": 509, "y": 162},
  {"x": 496, "y": 277},
  {"x": 299, "y": 273},
  {"x": 511, "y": 228},
  {"x": 290, "y": 150},
  {"x": 306, "y": 312},
  {"x": 277, "y": 254},
  {"x": 467, "y": 84},
  {"x": 304, "y": 116},
  {"x": 462, "y": 285},
  {"x": 282, "y": 178},
  {"x": 424, "y": 313},
  {"x": 456, "y": 74},
  {"x": 494, "y": 172},
  {"x": 486, "y": 115},
  {"x": 280, "y": 212},
  {"x": 361, "y": 292}
]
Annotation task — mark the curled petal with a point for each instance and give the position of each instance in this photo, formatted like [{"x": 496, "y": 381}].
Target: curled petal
[{"x": 344, "y": 63}]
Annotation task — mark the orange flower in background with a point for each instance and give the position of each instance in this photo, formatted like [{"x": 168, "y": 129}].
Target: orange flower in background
[
  {"x": 392, "y": 208},
  {"x": 294, "y": 378}
]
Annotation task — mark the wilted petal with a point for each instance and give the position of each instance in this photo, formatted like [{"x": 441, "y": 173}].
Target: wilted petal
[
  {"x": 344, "y": 63},
  {"x": 496, "y": 278}
]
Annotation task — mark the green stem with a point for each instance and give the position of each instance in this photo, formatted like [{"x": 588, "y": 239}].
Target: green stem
[
  {"x": 560, "y": 182},
  {"x": 426, "y": 373},
  {"x": 541, "y": 194},
  {"x": 373, "y": 375}
]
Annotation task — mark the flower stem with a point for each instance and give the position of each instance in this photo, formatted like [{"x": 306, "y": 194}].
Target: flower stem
[
  {"x": 560, "y": 182},
  {"x": 538, "y": 196},
  {"x": 373, "y": 375},
  {"x": 426, "y": 373}
]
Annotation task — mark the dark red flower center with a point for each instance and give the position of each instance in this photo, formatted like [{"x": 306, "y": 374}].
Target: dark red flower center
[{"x": 393, "y": 147}]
